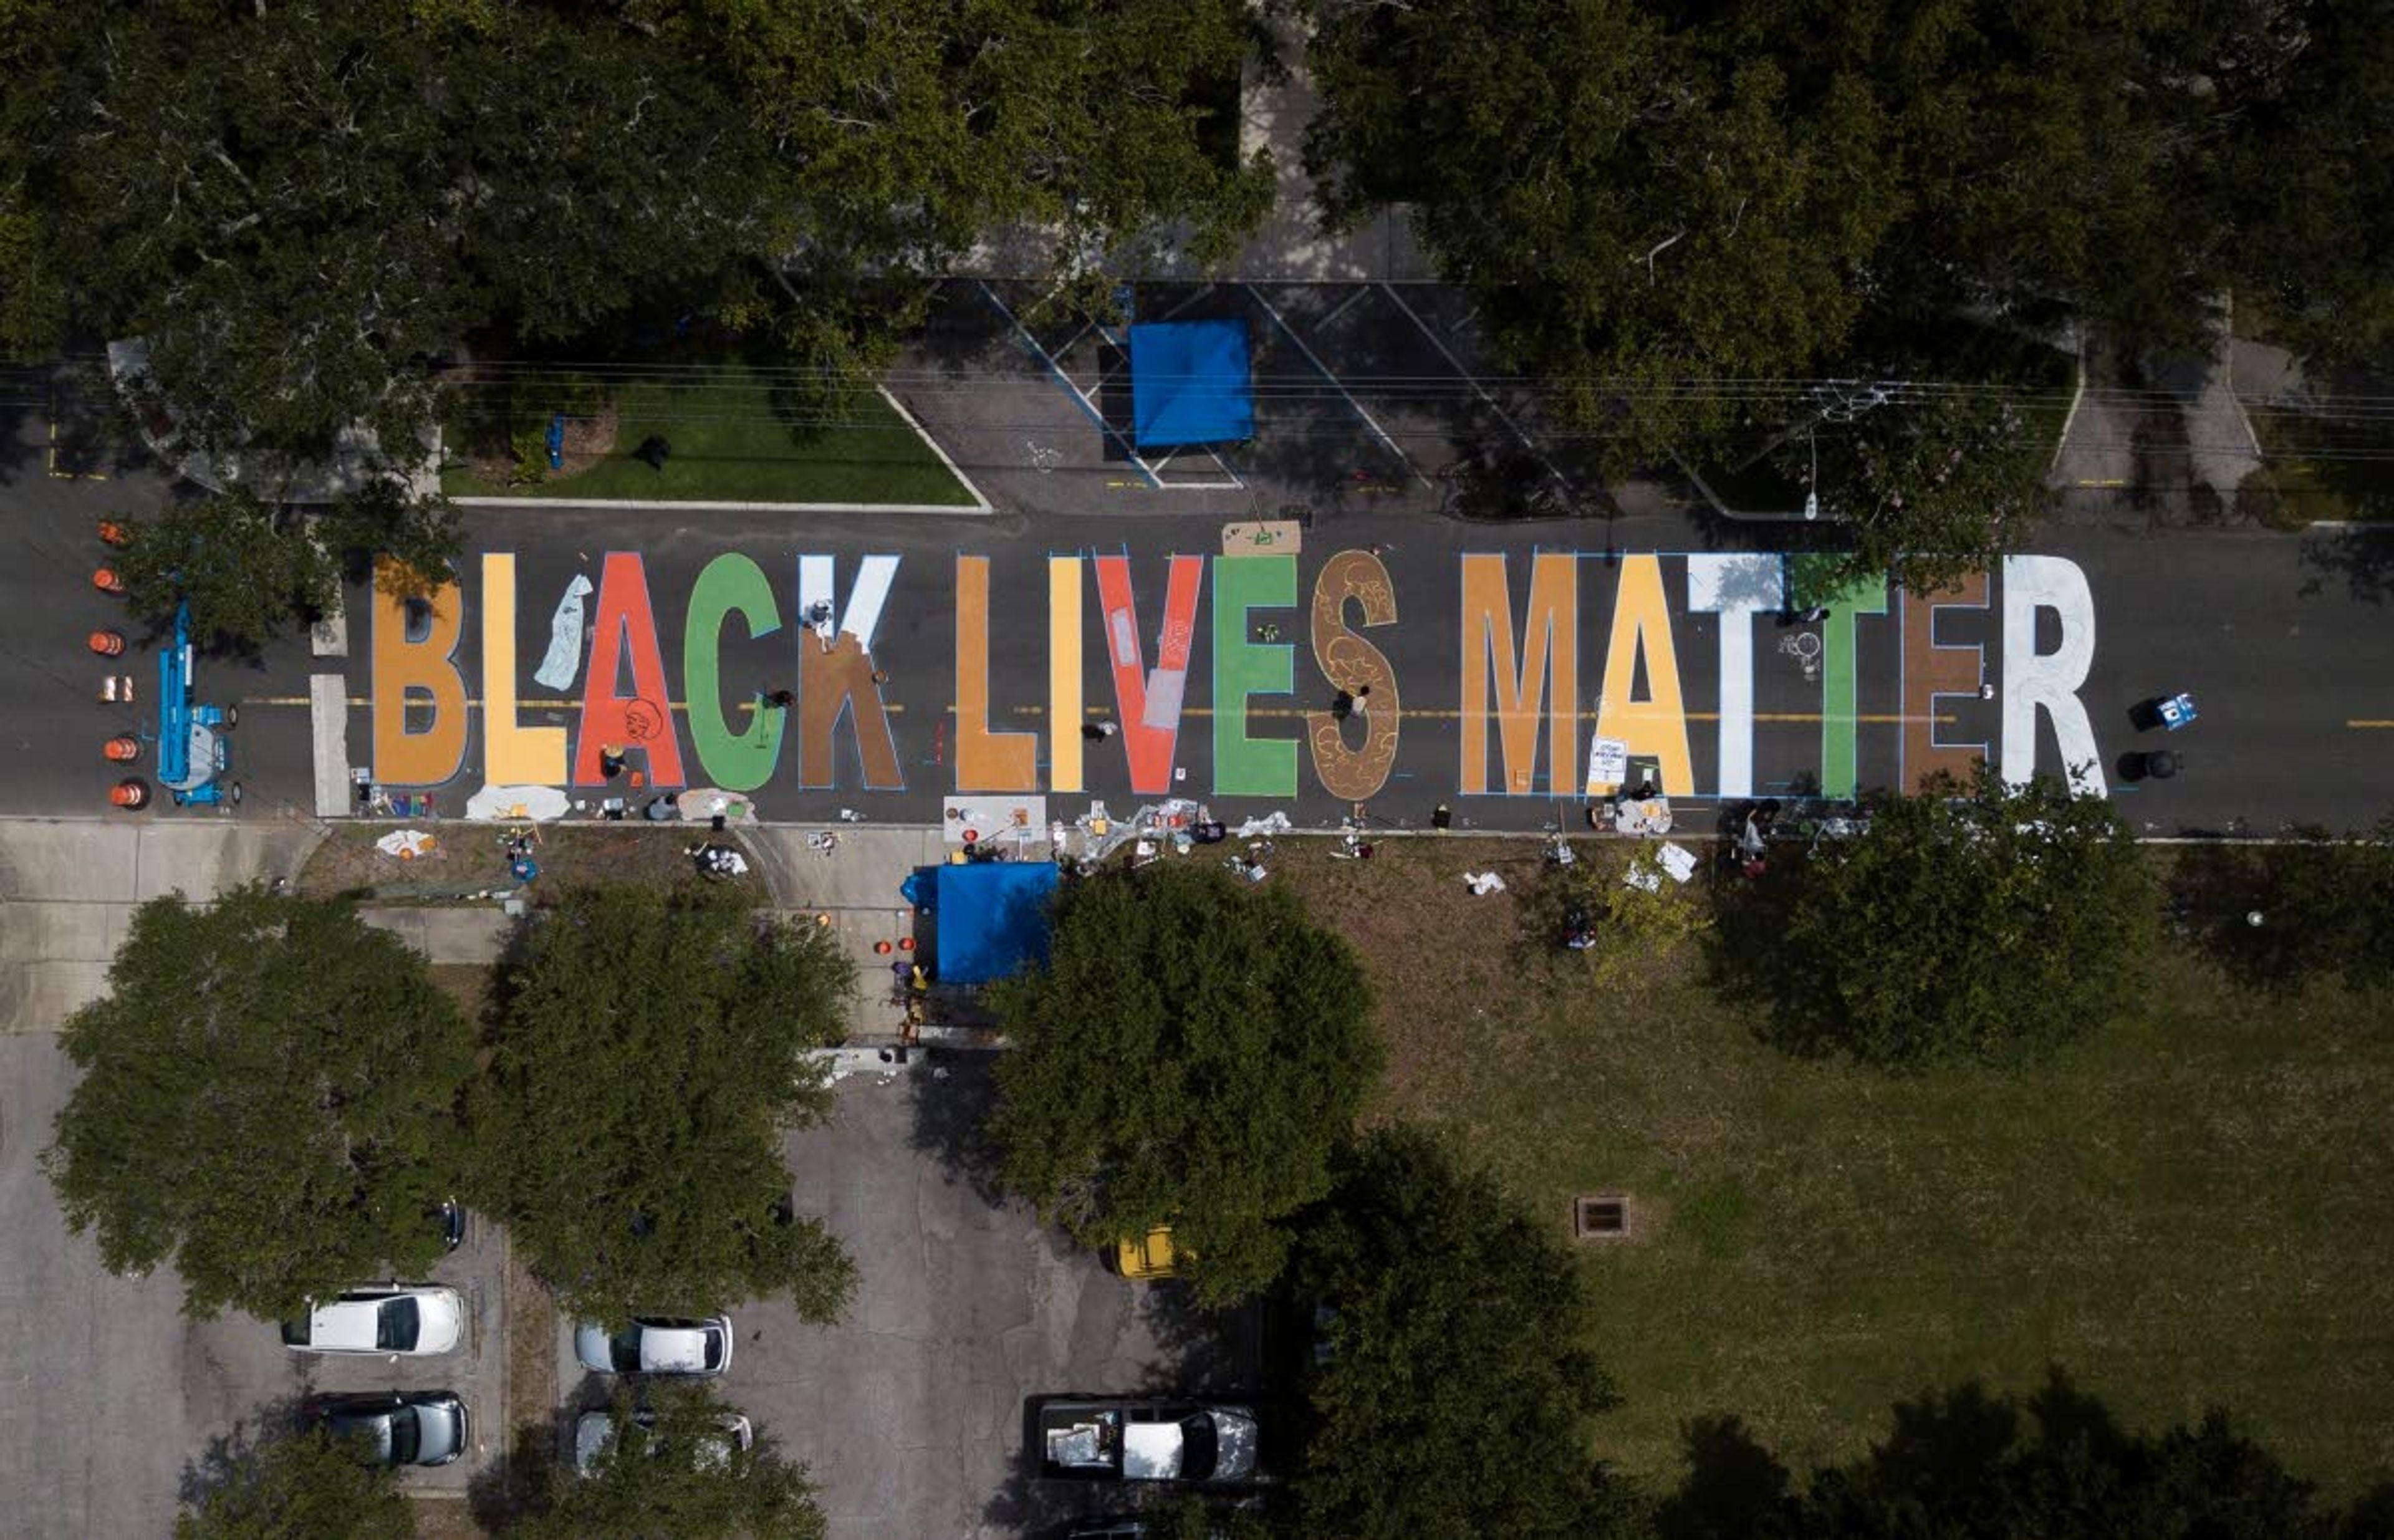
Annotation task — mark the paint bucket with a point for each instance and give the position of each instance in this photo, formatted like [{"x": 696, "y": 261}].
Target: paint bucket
[
  {"x": 130, "y": 793},
  {"x": 123, "y": 749},
  {"x": 108, "y": 644}
]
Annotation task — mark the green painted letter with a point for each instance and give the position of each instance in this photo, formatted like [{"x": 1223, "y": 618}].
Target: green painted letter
[
  {"x": 731, "y": 583},
  {"x": 1861, "y": 596},
  {"x": 1245, "y": 766}
]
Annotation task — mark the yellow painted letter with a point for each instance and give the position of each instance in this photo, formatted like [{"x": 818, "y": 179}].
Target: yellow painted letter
[
  {"x": 1549, "y": 632},
  {"x": 1657, "y": 726},
  {"x": 986, "y": 761},
  {"x": 513, "y": 755}
]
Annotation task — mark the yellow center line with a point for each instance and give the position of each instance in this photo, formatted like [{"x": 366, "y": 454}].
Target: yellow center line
[
  {"x": 2369, "y": 721},
  {"x": 360, "y": 703}
]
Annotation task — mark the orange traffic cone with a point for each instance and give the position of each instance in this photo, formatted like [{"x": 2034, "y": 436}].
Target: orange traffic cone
[
  {"x": 108, "y": 580},
  {"x": 114, "y": 533},
  {"x": 108, "y": 644},
  {"x": 131, "y": 792},
  {"x": 881, "y": 948},
  {"x": 123, "y": 748}
]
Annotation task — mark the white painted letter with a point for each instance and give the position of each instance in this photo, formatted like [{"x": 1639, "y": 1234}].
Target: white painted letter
[
  {"x": 2049, "y": 680},
  {"x": 1736, "y": 587}
]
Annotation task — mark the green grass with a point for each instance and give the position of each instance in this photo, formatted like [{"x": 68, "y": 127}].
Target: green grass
[
  {"x": 2196, "y": 1206},
  {"x": 727, "y": 445}
]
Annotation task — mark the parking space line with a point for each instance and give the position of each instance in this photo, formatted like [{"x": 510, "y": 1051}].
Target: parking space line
[
  {"x": 1369, "y": 421},
  {"x": 1057, "y": 371},
  {"x": 1343, "y": 306},
  {"x": 1482, "y": 390},
  {"x": 1186, "y": 303},
  {"x": 55, "y": 474}
]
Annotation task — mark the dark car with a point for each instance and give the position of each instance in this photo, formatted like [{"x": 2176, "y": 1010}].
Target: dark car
[
  {"x": 1112, "y": 1438},
  {"x": 400, "y": 1427}
]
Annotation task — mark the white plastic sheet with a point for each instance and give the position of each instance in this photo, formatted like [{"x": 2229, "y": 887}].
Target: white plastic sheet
[{"x": 563, "y": 660}]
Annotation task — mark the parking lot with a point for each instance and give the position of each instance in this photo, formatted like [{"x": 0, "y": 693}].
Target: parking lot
[
  {"x": 117, "y": 1402},
  {"x": 910, "y": 1411},
  {"x": 1366, "y": 396}
]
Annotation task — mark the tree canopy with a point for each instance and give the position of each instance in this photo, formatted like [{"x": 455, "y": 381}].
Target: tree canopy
[
  {"x": 307, "y": 207},
  {"x": 679, "y": 1476},
  {"x": 653, "y": 1048},
  {"x": 1981, "y": 922},
  {"x": 1191, "y": 1055},
  {"x": 1449, "y": 1395},
  {"x": 268, "y": 1103},
  {"x": 248, "y": 566},
  {"x": 1674, "y": 213},
  {"x": 252, "y": 567},
  {"x": 1973, "y": 1466},
  {"x": 306, "y": 1486}
]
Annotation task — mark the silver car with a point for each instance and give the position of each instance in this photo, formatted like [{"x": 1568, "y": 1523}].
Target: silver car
[
  {"x": 657, "y": 1344},
  {"x": 412, "y": 1428},
  {"x": 593, "y": 1431},
  {"x": 415, "y": 1320}
]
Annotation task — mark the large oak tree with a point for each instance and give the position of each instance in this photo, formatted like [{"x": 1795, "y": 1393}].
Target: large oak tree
[
  {"x": 268, "y": 1103},
  {"x": 1448, "y": 1394},
  {"x": 653, "y": 1048},
  {"x": 1978, "y": 922},
  {"x": 1191, "y": 1055}
]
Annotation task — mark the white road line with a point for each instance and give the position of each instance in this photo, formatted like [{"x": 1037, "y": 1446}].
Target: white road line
[
  {"x": 328, "y": 724},
  {"x": 1369, "y": 421}
]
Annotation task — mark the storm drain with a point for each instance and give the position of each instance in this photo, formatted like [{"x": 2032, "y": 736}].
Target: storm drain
[{"x": 1600, "y": 1216}]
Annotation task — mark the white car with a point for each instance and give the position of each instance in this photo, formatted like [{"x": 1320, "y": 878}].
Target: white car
[
  {"x": 593, "y": 1431},
  {"x": 657, "y": 1344},
  {"x": 418, "y": 1322}
]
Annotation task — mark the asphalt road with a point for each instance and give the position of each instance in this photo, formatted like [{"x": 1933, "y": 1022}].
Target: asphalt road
[{"x": 2282, "y": 639}]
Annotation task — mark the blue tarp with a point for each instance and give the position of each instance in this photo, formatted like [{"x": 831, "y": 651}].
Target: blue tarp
[
  {"x": 1189, "y": 384},
  {"x": 992, "y": 918}
]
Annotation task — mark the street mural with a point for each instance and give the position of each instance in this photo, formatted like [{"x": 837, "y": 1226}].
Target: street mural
[{"x": 1190, "y": 644}]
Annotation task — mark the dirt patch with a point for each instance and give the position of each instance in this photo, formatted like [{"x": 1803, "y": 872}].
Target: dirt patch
[
  {"x": 532, "y": 1351},
  {"x": 445, "y": 1519},
  {"x": 468, "y": 860},
  {"x": 589, "y": 436}
]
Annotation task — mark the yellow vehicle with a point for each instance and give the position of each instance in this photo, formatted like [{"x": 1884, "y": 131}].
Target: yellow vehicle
[{"x": 1154, "y": 1256}]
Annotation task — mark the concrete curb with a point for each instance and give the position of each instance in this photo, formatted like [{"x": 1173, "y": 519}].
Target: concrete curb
[{"x": 931, "y": 831}]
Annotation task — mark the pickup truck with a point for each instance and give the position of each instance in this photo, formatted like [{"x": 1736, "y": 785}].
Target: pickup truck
[{"x": 1112, "y": 1438}]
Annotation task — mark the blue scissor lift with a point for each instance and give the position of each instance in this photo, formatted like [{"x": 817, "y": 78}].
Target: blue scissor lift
[{"x": 192, "y": 752}]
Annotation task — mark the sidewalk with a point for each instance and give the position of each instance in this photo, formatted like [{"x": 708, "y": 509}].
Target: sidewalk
[
  {"x": 68, "y": 889},
  {"x": 856, "y": 885},
  {"x": 69, "y": 885}
]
